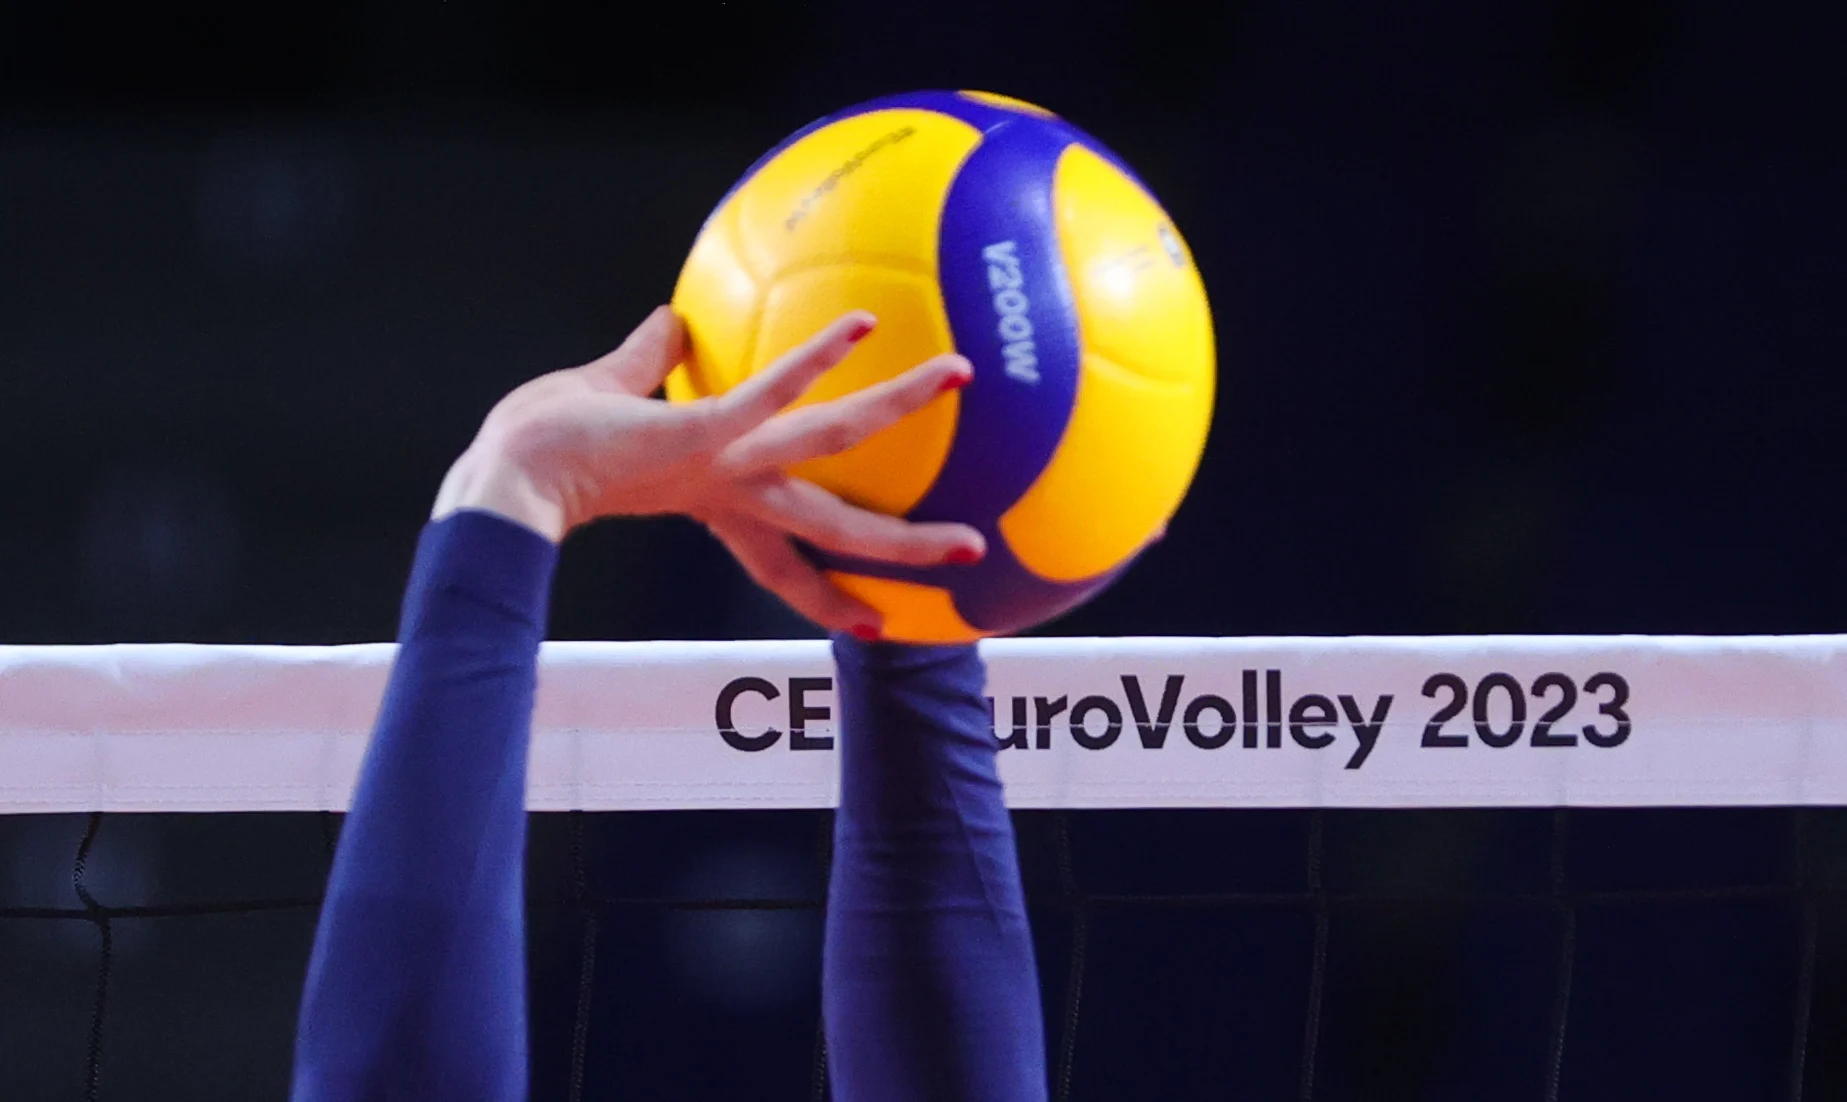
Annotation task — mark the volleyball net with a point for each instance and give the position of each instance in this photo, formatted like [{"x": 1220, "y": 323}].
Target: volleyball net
[{"x": 1329, "y": 868}]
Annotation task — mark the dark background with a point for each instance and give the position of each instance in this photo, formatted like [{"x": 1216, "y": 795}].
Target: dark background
[{"x": 1531, "y": 321}]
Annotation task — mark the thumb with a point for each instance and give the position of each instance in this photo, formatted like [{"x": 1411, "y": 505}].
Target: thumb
[{"x": 644, "y": 360}]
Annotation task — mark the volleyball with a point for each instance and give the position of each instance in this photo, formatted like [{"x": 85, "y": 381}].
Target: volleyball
[{"x": 982, "y": 225}]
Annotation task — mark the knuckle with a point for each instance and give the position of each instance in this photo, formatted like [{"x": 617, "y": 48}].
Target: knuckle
[
  {"x": 774, "y": 398},
  {"x": 516, "y": 435},
  {"x": 708, "y": 422},
  {"x": 835, "y": 437},
  {"x": 904, "y": 402}
]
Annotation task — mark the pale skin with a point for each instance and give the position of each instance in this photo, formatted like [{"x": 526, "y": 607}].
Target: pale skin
[{"x": 589, "y": 442}]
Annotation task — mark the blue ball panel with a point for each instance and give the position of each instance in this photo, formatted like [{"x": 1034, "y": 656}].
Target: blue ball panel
[
  {"x": 997, "y": 249},
  {"x": 1000, "y": 596}
]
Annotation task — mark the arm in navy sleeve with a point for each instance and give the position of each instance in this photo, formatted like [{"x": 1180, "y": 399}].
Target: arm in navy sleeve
[
  {"x": 416, "y": 985},
  {"x": 929, "y": 988}
]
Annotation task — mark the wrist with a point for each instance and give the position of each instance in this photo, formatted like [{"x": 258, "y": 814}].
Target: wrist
[{"x": 485, "y": 479}]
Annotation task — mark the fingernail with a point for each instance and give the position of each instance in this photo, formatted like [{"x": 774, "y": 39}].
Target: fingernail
[
  {"x": 962, "y": 556},
  {"x": 859, "y": 331},
  {"x": 956, "y": 382},
  {"x": 866, "y": 633}
]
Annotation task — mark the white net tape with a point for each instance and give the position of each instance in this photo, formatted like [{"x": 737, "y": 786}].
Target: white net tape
[{"x": 1493, "y": 721}]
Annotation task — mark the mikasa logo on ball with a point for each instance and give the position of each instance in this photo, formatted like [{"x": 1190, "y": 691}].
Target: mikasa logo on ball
[{"x": 1011, "y": 304}]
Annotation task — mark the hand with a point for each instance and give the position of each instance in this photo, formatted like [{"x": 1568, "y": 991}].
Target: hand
[{"x": 589, "y": 442}]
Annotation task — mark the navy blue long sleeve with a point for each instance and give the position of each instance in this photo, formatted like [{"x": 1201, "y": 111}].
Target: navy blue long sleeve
[
  {"x": 929, "y": 987},
  {"x": 416, "y": 986}
]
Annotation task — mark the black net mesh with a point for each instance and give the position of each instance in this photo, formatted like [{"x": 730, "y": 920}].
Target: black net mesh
[{"x": 1316, "y": 955}]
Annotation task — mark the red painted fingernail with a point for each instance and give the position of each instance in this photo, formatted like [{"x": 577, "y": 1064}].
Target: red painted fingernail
[
  {"x": 859, "y": 331},
  {"x": 957, "y": 381},
  {"x": 865, "y": 633},
  {"x": 962, "y": 556}
]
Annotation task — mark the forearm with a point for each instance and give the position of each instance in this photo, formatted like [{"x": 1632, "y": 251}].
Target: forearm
[
  {"x": 929, "y": 985},
  {"x": 416, "y": 983}
]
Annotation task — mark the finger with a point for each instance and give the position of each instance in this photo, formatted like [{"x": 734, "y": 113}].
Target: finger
[
  {"x": 643, "y": 361},
  {"x": 764, "y": 394},
  {"x": 833, "y": 427},
  {"x": 773, "y": 563},
  {"x": 808, "y": 512}
]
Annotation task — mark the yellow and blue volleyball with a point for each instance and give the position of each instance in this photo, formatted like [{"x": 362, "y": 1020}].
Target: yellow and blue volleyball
[{"x": 977, "y": 224}]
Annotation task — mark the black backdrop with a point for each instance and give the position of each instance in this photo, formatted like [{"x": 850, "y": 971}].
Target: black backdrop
[{"x": 1530, "y": 321}]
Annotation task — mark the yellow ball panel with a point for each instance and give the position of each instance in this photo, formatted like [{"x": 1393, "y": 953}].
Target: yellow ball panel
[
  {"x": 1139, "y": 298},
  {"x": 1125, "y": 462},
  {"x": 890, "y": 471},
  {"x": 1145, "y": 391},
  {"x": 680, "y": 386},
  {"x": 913, "y": 613},
  {"x": 717, "y": 298},
  {"x": 870, "y": 187}
]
